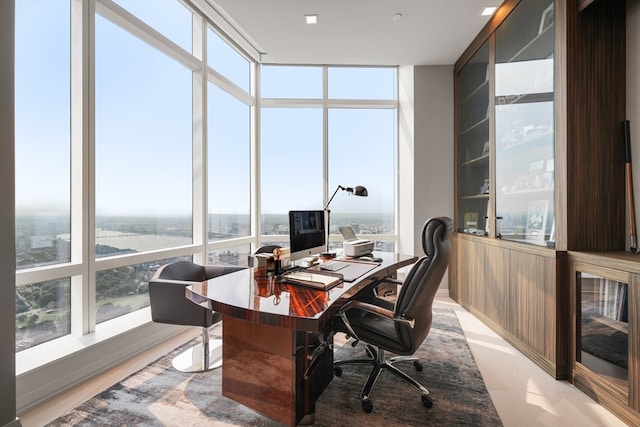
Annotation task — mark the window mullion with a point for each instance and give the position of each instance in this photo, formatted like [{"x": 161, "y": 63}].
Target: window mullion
[
  {"x": 83, "y": 300},
  {"x": 200, "y": 141}
]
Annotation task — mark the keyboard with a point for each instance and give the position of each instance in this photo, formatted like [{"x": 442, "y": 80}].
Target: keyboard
[{"x": 333, "y": 265}]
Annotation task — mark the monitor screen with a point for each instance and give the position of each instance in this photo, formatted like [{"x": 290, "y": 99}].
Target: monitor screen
[{"x": 306, "y": 233}]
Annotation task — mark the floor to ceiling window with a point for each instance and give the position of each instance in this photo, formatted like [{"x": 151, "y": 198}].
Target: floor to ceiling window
[
  {"x": 137, "y": 144},
  {"x": 142, "y": 163},
  {"x": 43, "y": 135},
  {"x": 324, "y": 127}
]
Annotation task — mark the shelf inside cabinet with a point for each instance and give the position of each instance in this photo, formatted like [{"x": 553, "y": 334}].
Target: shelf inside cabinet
[
  {"x": 476, "y": 160},
  {"x": 528, "y": 139},
  {"x": 476, "y": 91},
  {"x": 526, "y": 98},
  {"x": 476, "y": 196},
  {"x": 538, "y": 47},
  {"x": 527, "y": 191},
  {"x": 482, "y": 122}
]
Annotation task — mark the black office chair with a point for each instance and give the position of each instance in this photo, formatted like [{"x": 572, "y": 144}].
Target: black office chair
[
  {"x": 170, "y": 305},
  {"x": 399, "y": 327}
]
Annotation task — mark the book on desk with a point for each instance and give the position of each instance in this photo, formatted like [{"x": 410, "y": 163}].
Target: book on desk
[{"x": 313, "y": 279}]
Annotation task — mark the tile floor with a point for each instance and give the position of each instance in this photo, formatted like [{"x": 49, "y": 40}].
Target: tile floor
[{"x": 523, "y": 394}]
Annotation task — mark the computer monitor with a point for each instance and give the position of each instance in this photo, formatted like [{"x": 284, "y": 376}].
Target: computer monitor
[{"x": 306, "y": 233}]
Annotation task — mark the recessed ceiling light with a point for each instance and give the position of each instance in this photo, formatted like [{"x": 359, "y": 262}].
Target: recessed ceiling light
[
  {"x": 311, "y": 19},
  {"x": 397, "y": 17},
  {"x": 488, "y": 10}
]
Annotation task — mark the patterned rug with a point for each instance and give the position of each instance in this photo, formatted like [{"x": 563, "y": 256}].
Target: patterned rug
[{"x": 160, "y": 396}]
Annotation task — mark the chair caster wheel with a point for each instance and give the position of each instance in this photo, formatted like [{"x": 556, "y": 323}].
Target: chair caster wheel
[
  {"x": 367, "y": 406},
  {"x": 427, "y": 402},
  {"x": 337, "y": 371},
  {"x": 418, "y": 366}
]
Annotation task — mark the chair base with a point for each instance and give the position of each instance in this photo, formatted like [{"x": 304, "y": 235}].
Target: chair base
[
  {"x": 194, "y": 359},
  {"x": 378, "y": 363}
]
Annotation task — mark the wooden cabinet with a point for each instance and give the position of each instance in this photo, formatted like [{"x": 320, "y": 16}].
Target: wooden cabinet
[
  {"x": 555, "y": 104},
  {"x": 605, "y": 315}
]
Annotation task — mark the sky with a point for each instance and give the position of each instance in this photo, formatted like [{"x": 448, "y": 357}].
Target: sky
[{"x": 144, "y": 124}]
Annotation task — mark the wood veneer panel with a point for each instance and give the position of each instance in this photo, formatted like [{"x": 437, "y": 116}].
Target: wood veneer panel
[
  {"x": 563, "y": 311},
  {"x": 500, "y": 14},
  {"x": 595, "y": 112},
  {"x": 634, "y": 344},
  {"x": 497, "y": 305},
  {"x": 258, "y": 369},
  {"x": 534, "y": 320},
  {"x": 454, "y": 268},
  {"x": 560, "y": 55}
]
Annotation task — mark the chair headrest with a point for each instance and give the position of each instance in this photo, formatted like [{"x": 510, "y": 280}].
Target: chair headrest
[{"x": 435, "y": 230}]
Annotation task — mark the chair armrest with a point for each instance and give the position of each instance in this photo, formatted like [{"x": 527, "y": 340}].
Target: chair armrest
[
  {"x": 369, "y": 308},
  {"x": 373, "y": 309}
]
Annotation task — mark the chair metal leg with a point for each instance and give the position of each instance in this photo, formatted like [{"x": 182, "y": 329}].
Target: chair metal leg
[
  {"x": 378, "y": 364},
  {"x": 203, "y": 356}
]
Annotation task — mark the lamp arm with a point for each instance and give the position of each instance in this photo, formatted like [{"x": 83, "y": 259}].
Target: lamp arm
[{"x": 340, "y": 187}]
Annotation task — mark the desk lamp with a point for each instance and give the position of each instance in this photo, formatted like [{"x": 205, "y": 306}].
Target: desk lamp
[{"x": 358, "y": 190}]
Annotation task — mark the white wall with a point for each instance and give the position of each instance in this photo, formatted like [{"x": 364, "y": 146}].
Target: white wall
[
  {"x": 425, "y": 151},
  {"x": 7, "y": 219}
]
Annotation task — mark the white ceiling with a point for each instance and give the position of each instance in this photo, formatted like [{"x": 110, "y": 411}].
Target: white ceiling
[{"x": 358, "y": 32}]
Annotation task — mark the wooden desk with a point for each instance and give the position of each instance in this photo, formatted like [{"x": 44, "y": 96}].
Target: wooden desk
[{"x": 277, "y": 343}]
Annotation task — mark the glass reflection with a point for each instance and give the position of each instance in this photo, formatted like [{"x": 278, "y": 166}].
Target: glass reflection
[{"x": 604, "y": 327}]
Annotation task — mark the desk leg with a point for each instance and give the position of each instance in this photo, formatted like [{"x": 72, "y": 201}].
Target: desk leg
[{"x": 264, "y": 369}]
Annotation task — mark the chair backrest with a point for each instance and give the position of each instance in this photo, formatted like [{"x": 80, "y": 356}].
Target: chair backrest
[
  {"x": 167, "y": 299},
  {"x": 182, "y": 270},
  {"x": 419, "y": 289}
]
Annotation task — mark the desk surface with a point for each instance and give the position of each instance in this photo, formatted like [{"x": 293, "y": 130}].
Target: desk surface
[{"x": 245, "y": 295}]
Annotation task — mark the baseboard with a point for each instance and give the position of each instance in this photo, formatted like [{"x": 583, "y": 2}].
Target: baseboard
[
  {"x": 443, "y": 292},
  {"x": 39, "y": 385},
  {"x": 14, "y": 423}
]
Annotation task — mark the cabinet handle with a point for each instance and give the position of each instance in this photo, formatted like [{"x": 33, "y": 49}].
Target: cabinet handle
[{"x": 498, "y": 234}]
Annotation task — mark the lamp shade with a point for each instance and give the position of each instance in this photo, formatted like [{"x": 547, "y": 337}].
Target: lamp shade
[{"x": 359, "y": 190}]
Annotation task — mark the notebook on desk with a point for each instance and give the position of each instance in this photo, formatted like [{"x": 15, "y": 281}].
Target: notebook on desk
[{"x": 312, "y": 279}]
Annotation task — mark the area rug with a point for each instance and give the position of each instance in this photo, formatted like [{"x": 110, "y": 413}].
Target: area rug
[{"x": 158, "y": 395}]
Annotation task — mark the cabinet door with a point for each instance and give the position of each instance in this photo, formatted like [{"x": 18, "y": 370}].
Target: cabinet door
[
  {"x": 473, "y": 143},
  {"x": 524, "y": 123}
]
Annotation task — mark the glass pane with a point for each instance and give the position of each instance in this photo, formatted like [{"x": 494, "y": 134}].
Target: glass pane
[
  {"x": 604, "y": 327},
  {"x": 43, "y": 312},
  {"x": 291, "y": 82},
  {"x": 168, "y": 17},
  {"x": 123, "y": 290},
  {"x": 229, "y": 166},
  {"x": 362, "y": 83},
  {"x": 236, "y": 255},
  {"x": 473, "y": 144},
  {"x": 524, "y": 119},
  {"x": 227, "y": 61},
  {"x": 143, "y": 145},
  {"x": 350, "y": 130},
  {"x": 42, "y": 132},
  {"x": 287, "y": 134}
]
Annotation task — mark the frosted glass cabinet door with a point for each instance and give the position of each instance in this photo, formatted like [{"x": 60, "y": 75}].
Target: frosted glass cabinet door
[
  {"x": 524, "y": 123},
  {"x": 473, "y": 143}
]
